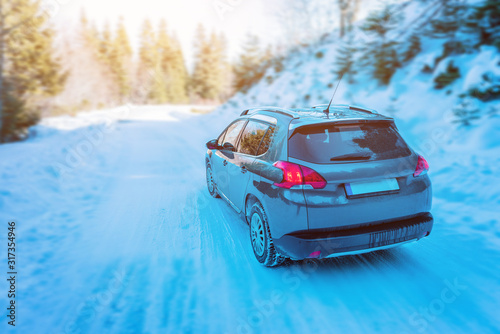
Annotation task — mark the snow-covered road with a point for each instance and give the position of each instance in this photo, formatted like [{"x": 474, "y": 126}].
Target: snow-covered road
[{"x": 119, "y": 235}]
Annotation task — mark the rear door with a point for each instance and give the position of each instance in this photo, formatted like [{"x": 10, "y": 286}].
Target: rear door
[
  {"x": 248, "y": 147},
  {"x": 368, "y": 167}
]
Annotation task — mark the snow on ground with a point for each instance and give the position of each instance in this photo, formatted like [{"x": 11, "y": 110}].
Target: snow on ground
[{"x": 117, "y": 234}]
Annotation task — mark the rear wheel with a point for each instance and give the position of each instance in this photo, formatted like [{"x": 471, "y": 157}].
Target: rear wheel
[
  {"x": 260, "y": 237},
  {"x": 211, "y": 186}
]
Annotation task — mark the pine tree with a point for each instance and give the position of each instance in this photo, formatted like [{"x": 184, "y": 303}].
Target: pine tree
[
  {"x": 149, "y": 74},
  {"x": 414, "y": 48},
  {"x": 162, "y": 73},
  {"x": 447, "y": 77},
  {"x": 120, "y": 55},
  {"x": 215, "y": 54},
  {"x": 345, "y": 60},
  {"x": 466, "y": 112},
  {"x": 90, "y": 84},
  {"x": 199, "y": 77},
  {"x": 207, "y": 79},
  {"x": 179, "y": 73},
  {"x": 172, "y": 65},
  {"x": 449, "y": 21},
  {"x": 226, "y": 70},
  {"x": 484, "y": 21},
  {"x": 448, "y": 25},
  {"x": 381, "y": 54},
  {"x": 28, "y": 67},
  {"x": 105, "y": 44},
  {"x": 250, "y": 67},
  {"x": 165, "y": 58}
]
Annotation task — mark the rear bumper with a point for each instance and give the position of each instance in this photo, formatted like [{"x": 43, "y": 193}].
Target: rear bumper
[{"x": 322, "y": 244}]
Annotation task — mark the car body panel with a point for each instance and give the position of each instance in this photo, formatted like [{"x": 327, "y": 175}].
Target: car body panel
[
  {"x": 322, "y": 244},
  {"x": 331, "y": 207},
  {"x": 239, "y": 176},
  {"x": 219, "y": 171},
  {"x": 286, "y": 207}
]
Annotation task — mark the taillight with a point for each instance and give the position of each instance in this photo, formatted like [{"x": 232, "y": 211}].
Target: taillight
[
  {"x": 294, "y": 175},
  {"x": 422, "y": 167}
]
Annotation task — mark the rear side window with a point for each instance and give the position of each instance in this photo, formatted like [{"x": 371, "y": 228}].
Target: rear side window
[
  {"x": 347, "y": 143},
  {"x": 266, "y": 142},
  {"x": 233, "y": 131},
  {"x": 252, "y": 136}
]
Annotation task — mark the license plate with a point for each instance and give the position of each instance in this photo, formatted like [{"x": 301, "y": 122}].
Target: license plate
[{"x": 372, "y": 187}]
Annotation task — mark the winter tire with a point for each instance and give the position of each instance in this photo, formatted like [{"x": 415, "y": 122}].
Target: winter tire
[
  {"x": 211, "y": 186},
  {"x": 261, "y": 240}
]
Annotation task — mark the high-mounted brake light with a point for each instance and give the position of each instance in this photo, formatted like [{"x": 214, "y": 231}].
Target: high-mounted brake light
[
  {"x": 294, "y": 175},
  {"x": 422, "y": 167}
]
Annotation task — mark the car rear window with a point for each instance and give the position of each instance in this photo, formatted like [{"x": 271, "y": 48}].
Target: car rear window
[{"x": 330, "y": 143}]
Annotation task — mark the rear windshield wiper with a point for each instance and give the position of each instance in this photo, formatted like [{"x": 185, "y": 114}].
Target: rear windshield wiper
[{"x": 352, "y": 156}]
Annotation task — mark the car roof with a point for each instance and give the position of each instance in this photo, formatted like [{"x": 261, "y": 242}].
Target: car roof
[{"x": 314, "y": 115}]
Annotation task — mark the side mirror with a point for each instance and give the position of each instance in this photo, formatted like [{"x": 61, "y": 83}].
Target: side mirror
[
  {"x": 228, "y": 147},
  {"x": 213, "y": 145}
]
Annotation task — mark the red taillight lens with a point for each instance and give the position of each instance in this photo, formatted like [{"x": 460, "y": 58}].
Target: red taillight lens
[
  {"x": 294, "y": 175},
  {"x": 422, "y": 167}
]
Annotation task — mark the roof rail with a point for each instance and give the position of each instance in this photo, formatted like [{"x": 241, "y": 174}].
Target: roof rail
[
  {"x": 362, "y": 109},
  {"x": 279, "y": 110},
  {"x": 318, "y": 106}
]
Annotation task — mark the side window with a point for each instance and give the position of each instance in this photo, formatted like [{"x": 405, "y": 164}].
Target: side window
[
  {"x": 233, "y": 131},
  {"x": 252, "y": 137},
  {"x": 266, "y": 142}
]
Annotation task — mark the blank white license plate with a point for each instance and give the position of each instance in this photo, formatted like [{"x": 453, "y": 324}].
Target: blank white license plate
[{"x": 363, "y": 188}]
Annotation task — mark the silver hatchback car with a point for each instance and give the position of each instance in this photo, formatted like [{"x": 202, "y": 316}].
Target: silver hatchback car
[{"x": 314, "y": 185}]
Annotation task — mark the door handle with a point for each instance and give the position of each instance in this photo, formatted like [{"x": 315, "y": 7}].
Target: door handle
[
  {"x": 243, "y": 169},
  {"x": 224, "y": 162}
]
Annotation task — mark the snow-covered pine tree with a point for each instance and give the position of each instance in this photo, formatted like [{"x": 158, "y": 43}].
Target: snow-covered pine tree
[
  {"x": 413, "y": 49},
  {"x": 447, "y": 77},
  {"x": 345, "y": 60},
  {"x": 449, "y": 20},
  {"x": 466, "y": 112},
  {"x": 381, "y": 54},
  {"x": 484, "y": 21}
]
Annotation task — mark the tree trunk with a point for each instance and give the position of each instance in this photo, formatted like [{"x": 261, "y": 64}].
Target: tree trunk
[{"x": 343, "y": 9}]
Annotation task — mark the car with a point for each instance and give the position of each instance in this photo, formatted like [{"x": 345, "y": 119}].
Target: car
[{"x": 319, "y": 183}]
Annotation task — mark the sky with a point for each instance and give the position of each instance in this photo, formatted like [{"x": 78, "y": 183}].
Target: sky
[{"x": 234, "y": 18}]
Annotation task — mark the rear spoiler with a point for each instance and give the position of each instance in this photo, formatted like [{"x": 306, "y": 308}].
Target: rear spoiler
[{"x": 292, "y": 130}]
